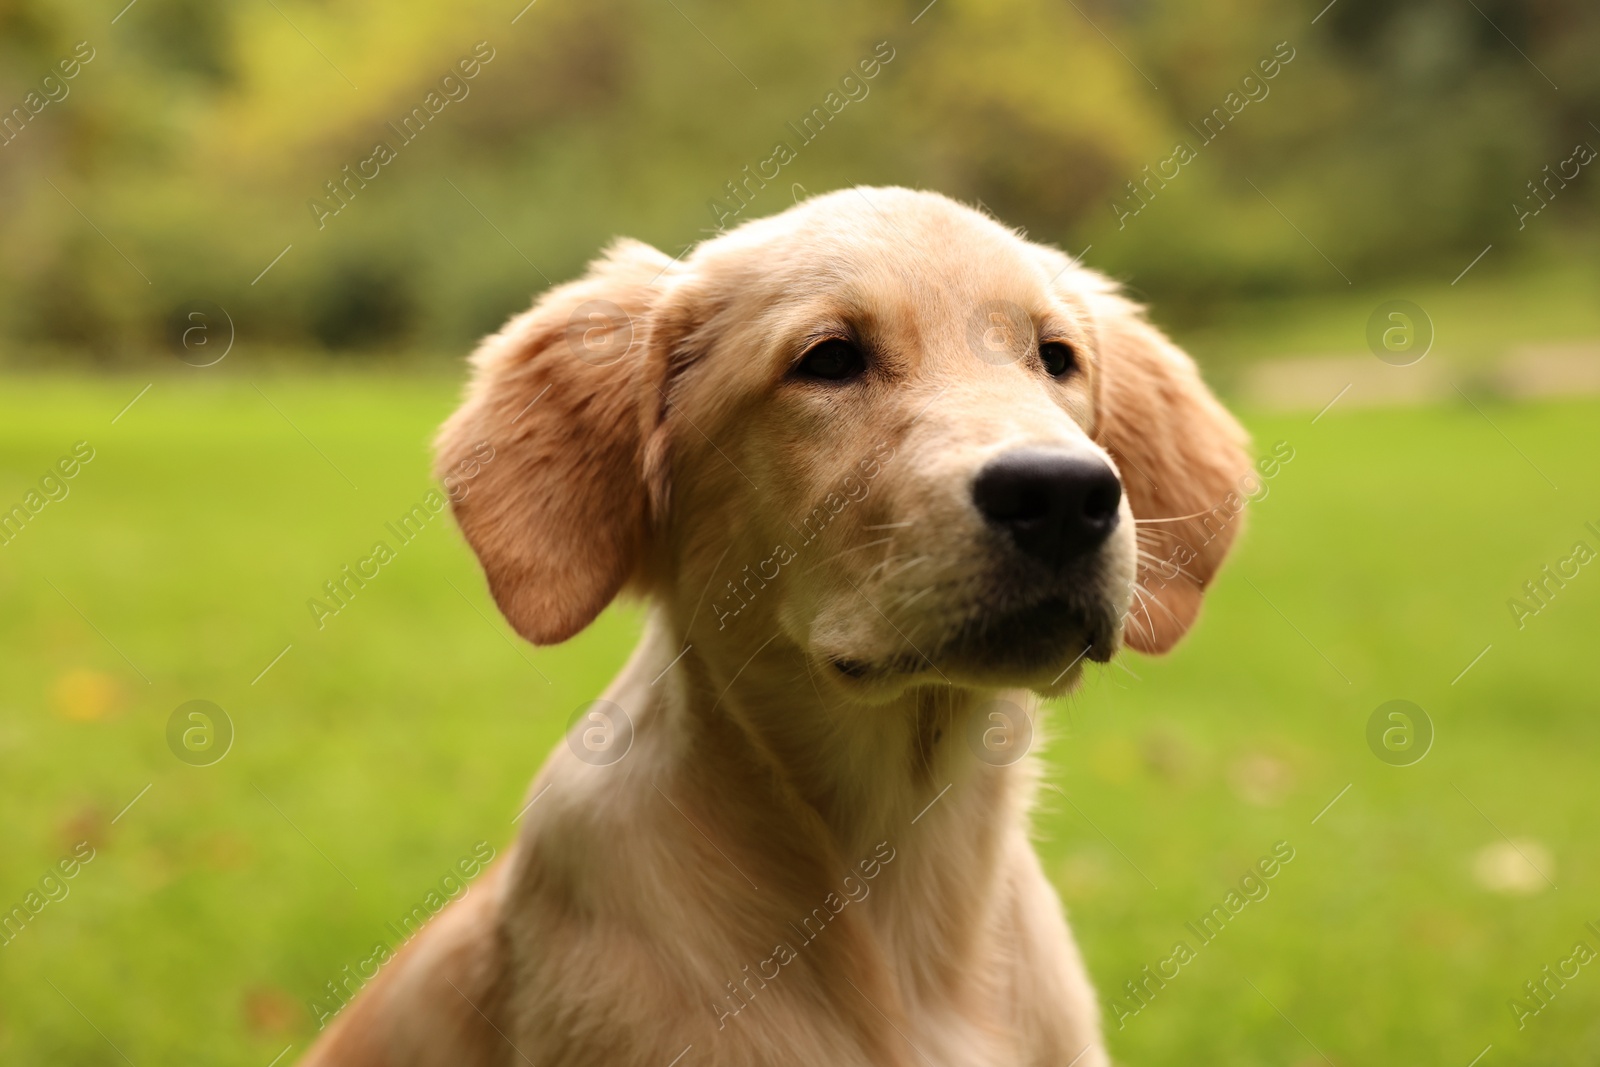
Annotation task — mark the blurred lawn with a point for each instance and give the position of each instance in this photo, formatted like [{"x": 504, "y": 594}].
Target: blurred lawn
[
  {"x": 406, "y": 731},
  {"x": 1481, "y": 318}
]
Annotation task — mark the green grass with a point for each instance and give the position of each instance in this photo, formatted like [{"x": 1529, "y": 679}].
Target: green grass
[
  {"x": 380, "y": 749},
  {"x": 1478, "y": 321}
]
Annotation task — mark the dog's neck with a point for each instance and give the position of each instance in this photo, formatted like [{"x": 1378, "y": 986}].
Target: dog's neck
[{"x": 759, "y": 730}]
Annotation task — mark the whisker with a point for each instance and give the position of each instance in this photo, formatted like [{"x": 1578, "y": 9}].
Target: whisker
[
  {"x": 908, "y": 566},
  {"x": 1157, "y": 538},
  {"x": 1132, "y": 617},
  {"x": 1175, "y": 518},
  {"x": 846, "y": 552},
  {"x": 1151, "y": 562},
  {"x": 1162, "y": 606},
  {"x": 1186, "y": 576},
  {"x": 876, "y": 567},
  {"x": 926, "y": 590},
  {"x": 812, "y": 678}
]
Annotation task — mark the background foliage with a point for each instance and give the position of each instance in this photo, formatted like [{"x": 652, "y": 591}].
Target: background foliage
[{"x": 1396, "y": 140}]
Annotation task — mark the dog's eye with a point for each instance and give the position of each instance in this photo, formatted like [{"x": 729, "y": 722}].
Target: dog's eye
[
  {"x": 832, "y": 360},
  {"x": 1059, "y": 359}
]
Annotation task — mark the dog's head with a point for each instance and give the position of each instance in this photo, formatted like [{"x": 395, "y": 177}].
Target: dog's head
[{"x": 879, "y": 427}]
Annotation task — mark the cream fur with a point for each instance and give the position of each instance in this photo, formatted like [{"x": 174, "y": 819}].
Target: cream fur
[{"x": 765, "y": 778}]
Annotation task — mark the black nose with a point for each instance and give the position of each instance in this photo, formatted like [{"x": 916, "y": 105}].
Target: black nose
[{"x": 1056, "y": 506}]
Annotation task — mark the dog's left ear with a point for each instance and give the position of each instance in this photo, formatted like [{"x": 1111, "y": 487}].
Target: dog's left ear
[
  {"x": 1183, "y": 460},
  {"x": 544, "y": 459}
]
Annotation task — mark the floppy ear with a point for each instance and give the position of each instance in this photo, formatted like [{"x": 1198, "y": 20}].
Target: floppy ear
[
  {"x": 557, "y": 514},
  {"x": 1182, "y": 458}
]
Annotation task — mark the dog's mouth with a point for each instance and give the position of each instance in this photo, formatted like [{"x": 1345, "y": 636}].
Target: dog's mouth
[{"x": 1015, "y": 644}]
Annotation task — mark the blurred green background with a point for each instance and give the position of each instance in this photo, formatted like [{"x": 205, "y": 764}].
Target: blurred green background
[
  {"x": 1390, "y": 158},
  {"x": 186, "y": 153}
]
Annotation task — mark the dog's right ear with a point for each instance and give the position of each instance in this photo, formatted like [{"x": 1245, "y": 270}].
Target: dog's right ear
[
  {"x": 1183, "y": 462},
  {"x": 557, "y": 511}
]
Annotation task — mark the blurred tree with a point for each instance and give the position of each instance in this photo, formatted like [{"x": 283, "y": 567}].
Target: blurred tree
[{"x": 180, "y": 161}]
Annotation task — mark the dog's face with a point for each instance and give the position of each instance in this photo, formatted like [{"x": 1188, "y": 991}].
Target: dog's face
[
  {"x": 879, "y": 426},
  {"x": 902, "y": 398}
]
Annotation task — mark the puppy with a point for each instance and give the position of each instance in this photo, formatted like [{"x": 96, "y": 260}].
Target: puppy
[{"x": 878, "y": 465}]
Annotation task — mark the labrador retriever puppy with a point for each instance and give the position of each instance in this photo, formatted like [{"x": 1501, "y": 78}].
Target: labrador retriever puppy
[{"x": 886, "y": 473}]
